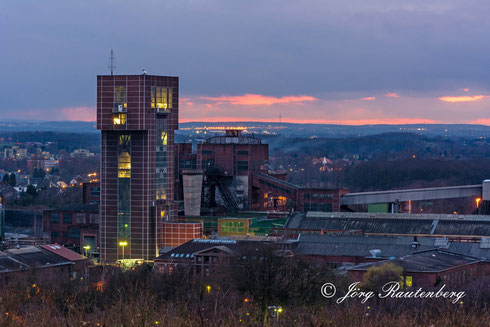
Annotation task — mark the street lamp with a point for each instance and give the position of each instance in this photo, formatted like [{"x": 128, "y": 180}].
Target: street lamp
[
  {"x": 275, "y": 311},
  {"x": 477, "y": 200},
  {"x": 123, "y": 244},
  {"x": 87, "y": 248}
]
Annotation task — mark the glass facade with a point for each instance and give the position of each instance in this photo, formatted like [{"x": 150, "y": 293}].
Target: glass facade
[
  {"x": 161, "y": 162},
  {"x": 120, "y": 99},
  {"x": 124, "y": 188},
  {"x": 161, "y": 98}
]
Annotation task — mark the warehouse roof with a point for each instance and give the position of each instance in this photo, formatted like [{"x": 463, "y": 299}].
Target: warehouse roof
[
  {"x": 384, "y": 225},
  {"x": 427, "y": 261},
  {"x": 360, "y": 246}
]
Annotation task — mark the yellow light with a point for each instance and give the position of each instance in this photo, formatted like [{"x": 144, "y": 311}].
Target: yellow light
[
  {"x": 123, "y": 243},
  {"x": 279, "y": 310},
  {"x": 87, "y": 247},
  {"x": 208, "y": 288},
  {"x": 34, "y": 285},
  {"x": 477, "y": 200}
]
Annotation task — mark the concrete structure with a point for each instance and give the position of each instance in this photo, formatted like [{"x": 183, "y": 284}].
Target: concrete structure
[
  {"x": 137, "y": 116},
  {"x": 433, "y": 193},
  {"x": 192, "y": 188}
]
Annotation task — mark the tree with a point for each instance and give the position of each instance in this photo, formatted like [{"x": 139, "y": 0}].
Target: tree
[
  {"x": 271, "y": 276},
  {"x": 377, "y": 276},
  {"x": 31, "y": 190},
  {"x": 6, "y": 178}
]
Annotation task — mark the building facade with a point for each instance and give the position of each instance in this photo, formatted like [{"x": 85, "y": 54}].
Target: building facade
[
  {"x": 75, "y": 227},
  {"x": 137, "y": 116}
]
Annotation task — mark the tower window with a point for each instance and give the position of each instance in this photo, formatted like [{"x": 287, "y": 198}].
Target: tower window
[
  {"x": 164, "y": 138},
  {"x": 124, "y": 165},
  {"x": 120, "y": 99},
  {"x": 161, "y": 98},
  {"x": 119, "y": 119}
]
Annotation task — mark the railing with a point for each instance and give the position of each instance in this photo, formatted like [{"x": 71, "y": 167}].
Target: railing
[
  {"x": 119, "y": 108},
  {"x": 163, "y": 111}
]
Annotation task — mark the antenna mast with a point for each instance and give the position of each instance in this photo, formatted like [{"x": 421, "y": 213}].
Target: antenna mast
[{"x": 112, "y": 62}]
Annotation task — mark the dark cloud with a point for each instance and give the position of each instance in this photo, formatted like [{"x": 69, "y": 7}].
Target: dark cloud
[{"x": 51, "y": 50}]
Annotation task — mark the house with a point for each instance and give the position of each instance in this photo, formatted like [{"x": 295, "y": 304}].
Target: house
[
  {"x": 200, "y": 255},
  {"x": 431, "y": 268},
  {"x": 53, "y": 260},
  {"x": 347, "y": 250}
]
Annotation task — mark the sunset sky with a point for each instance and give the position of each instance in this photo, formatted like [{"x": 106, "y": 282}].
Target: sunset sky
[{"x": 311, "y": 61}]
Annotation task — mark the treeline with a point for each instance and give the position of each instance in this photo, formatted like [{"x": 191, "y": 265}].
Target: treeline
[
  {"x": 65, "y": 141},
  {"x": 413, "y": 173},
  {"x": 267, "y": 292},
  {"x": 381, "y": 146}
]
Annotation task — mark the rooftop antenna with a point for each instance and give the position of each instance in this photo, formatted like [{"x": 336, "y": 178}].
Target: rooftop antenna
[{"x": 112, "y": 62}]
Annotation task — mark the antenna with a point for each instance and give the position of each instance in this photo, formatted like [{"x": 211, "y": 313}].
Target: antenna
[
  {"x": 112, "y": 62},
  {"x": 280, "y": 118}
]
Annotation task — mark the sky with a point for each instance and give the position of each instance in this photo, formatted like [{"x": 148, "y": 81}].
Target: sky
[{"x": 309, "y": 61}]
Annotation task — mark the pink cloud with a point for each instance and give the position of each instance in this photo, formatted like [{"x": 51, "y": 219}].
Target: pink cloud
[
  {"x": 78, "y": 113},
  {"x": 369, "y": 98},
  {"x": 258, "y": 99},
  {"x": 481, "y": 121},
  {"x": 392, "y": 95},
  {"x": 464, "y": 98},
  {"x": 466, "y": 90}
]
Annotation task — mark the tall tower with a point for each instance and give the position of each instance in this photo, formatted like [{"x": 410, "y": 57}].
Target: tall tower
[{"x": 137, "y": 116}]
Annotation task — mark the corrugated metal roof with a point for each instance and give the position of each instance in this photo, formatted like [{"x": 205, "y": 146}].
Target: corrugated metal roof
[
  {"x": 430, "y": 261},
  {"x": 35, "y": 257},
  {"x": 63, "y": 252},
  {"x": 327, "y": 245},
  {"x": 390, "y": 225}
]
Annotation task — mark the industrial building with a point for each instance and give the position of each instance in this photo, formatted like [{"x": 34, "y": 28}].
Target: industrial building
[
  {"x": 231, "y": 173},
  {"x": 137, "y": 116},
  {"x": 431, "y": 268},
  {"x": 458, "y": 228}
]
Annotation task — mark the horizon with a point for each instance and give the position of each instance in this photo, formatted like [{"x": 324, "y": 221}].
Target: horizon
[{"x": 257, "y": 121}]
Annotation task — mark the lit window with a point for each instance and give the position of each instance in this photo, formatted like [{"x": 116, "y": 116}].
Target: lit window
[
  {"x": 124, "y": 165},
  {"x": 408, "y": 281},
  {"x": 120, "y": 99},
  {"x": 164, "y": 138},
  {"x": 161, "y": 98},
  {"x": 119, "y": 119}
]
